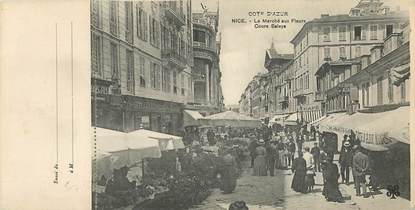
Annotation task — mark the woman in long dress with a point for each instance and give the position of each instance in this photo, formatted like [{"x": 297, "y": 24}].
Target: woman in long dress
[
  {"x": 260, "y": 167},
  {"x": 228, "y": 173},
  {"x": 299, "y": 169},
  {"x": 331, "y": 186}
]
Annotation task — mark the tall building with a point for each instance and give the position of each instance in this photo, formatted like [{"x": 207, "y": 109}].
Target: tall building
[
  {"x": 334, "y": 38},
  {"x": 208, "y": 98},
  {"x": 141, "y": 64},
  {"x": 276, "y": 65}
]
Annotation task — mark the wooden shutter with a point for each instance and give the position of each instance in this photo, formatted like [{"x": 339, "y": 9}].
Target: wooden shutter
[
  {"x": 145, "y": 31},
  {"x": 364, "y": 31}
]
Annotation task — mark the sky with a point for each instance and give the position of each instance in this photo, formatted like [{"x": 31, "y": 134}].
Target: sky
[{"x": 243, "y": 47}]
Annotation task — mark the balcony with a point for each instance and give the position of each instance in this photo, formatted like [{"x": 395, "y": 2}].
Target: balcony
[
  {"x": 283, "y": 99},
  {"x": 299, "y": 93},
  {"x": 198, "y": 77},
  {"x": 203, "y": 46},
  {"x": 289, "y": 77},
  {"x": 212, "y": 57},
  {"x": 319, "y": 96},
  {"x": 176, "y": 15},
  {"x": 174, "y": 59}
]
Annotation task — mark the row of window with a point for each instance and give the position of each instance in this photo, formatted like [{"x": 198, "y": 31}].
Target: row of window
[
  {"x": 366, "y": 87},
  {"x": 302, "y": 82},
  {"x": 148, "y": 28},
  {"x": 155, "y": 71},
  {"x": 327, "y": 54},
  {"x": 359, "y": 33}
]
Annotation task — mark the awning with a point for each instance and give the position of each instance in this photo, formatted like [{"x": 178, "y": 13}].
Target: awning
[
  {"x": 292, "y": 119},
  {"x": 400, "y": 73},
  {"x": 376, "y": 131},
  {"x": 116, "y": 149},
  {"x": 191, "y": 118},
  {"x": 166, "y": 141},
  {"x": 231, "y": 118},
  {"x": 394, "y": 123},
  {"x": 278, "y": 119}
]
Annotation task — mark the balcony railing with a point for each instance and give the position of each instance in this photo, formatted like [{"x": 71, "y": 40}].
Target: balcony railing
[
  {"x": 299, "y": 92},
  {"x": 204, "y": 46},
  {"x": 198, "y": 78},
  {"x": 174, "y": 58},
  {"x": 283, "y": 99},
  {"x": 319, "y": 96},
  {"x": 176, "y": 15}
]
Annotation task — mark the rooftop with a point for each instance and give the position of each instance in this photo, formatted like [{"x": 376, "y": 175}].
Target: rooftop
[{"x": 348, "y": 18}]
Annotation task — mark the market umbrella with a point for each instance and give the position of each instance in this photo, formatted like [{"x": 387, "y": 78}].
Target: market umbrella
[
  {"x": 115, "y": 149},
  {"x": 231, "y": 118},
  {"x": 165, "y": 141}
]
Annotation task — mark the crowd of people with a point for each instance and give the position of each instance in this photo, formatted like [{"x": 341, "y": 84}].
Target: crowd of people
[
  {"x": 279, "y": 149},
  {"x": 270, "y": 149}
]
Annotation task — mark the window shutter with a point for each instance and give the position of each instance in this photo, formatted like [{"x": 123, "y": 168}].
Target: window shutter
[
  {"x": 158, "y": 77},
  {"x": 364, "y": 31},
  {"x": 152, "y": 75},
  {"x": 151, "y": 28},
  {"x": 145, "y": 26},
  {"x": 157, "y": 33},
  {"x": 137, "y": 15}
]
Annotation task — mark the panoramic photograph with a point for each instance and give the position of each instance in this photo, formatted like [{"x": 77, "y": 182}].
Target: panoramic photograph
[{"x": 245, "y": 104}]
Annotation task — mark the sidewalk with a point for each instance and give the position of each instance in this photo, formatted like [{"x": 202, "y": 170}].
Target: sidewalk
[{"x": 378, "y": 201}]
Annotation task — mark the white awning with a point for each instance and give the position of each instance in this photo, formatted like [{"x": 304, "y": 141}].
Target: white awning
[
  {"x": 292, "y": 119},
  {"x": 191, "y": 118},
  {"x": 373, "y": 129},
  {"x": 278, "y": 118}
]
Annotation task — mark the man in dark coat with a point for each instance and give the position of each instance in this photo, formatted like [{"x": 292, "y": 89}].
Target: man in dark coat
[
  {"x": 315, "y": 151},
  {"x": 271, "y": 156},
  {"x": 291, "y": 151},
  {"x": 252, "y": 146},
  {"x": 360, "y": 169},
  {"x": 345, "y": 160},
  {"x": 210, "y": 135},
  {"x": 300, "y": 141},
  {"x": 299, "y": 169}
]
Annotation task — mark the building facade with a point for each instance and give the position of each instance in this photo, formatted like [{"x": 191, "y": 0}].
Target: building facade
[
  {"x": 327, "y": 51},
  {"x": 141, "y": 64},
  {"x": 384, "y": 80},
  {"x": 208, "y": 98},
  {"x": 333, "y": 38},
  {"x": 278, "y": 90}
]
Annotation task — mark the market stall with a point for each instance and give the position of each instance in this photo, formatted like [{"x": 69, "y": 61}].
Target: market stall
[
  {"x": 231, "y": 118},
  {"x": 116, "y": 149}
]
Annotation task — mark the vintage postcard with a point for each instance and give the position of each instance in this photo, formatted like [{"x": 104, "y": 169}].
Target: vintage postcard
[
  {"x": 206, "y": 104},
  {"x": 254, "y": 104}
]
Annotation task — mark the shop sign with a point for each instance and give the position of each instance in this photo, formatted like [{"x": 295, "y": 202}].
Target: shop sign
[
  {"x": 153, "y": 106},
  {"x": 364, "y": 137}
]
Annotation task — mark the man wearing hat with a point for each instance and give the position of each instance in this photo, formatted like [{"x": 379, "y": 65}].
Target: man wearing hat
[
  {"x": 315, "y": 151},
  {"x": 360, "y": 168},
  {"x": 345, "y": 160}
]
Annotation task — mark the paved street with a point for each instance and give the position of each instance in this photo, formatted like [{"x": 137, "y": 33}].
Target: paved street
[{"x": 274, "y": 193}]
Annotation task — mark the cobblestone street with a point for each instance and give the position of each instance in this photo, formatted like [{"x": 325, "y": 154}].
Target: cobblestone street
[{"x": 272, "y": 193}]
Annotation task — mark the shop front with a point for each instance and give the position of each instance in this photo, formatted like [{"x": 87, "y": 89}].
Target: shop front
[
  {"x": 155, "y": 115},
  {"x": 129, "y": 113}
]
